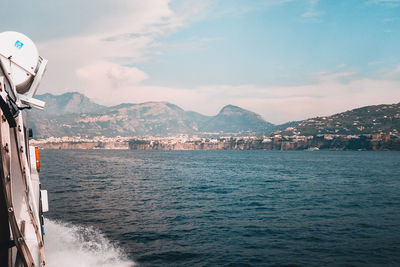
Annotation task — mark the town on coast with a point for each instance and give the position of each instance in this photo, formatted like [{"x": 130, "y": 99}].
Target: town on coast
[{"x": 389, "y": 141}]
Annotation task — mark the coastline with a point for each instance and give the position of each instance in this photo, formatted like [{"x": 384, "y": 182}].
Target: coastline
[{"x": 277, "y": 142}]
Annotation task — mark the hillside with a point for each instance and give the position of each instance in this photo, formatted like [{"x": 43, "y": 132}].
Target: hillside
[
  {"x": 68, "y": 103},
  {"x": 73, "y": 114},
  {"x": 232, "y": 119},
  {"x": 365, "y": 120}
]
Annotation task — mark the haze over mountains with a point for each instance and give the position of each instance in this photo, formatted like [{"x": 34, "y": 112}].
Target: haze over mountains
[{"x": 73, "y": 114}]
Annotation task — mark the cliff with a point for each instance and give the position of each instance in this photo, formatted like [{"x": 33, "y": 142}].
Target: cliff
[{"x": 328, "y": 142}]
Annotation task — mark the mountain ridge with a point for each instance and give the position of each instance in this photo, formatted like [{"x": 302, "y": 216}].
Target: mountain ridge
[{"x": 74, "y": 114}]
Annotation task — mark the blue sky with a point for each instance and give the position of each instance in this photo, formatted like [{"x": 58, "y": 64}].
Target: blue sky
[
  {"x": 284, "y": 59},
  {"x": 280, "y": 44}
]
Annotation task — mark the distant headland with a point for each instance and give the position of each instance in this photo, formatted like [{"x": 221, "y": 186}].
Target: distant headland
[
  {"x": 73, "y": 121},
  {"x": 277, "y": 142}
]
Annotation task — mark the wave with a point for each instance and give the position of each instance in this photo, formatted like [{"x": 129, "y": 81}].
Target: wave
[{"x": 79, "y": 246}]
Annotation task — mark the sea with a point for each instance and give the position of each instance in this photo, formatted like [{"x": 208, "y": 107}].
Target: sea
[{"x": 221, "y": 208}]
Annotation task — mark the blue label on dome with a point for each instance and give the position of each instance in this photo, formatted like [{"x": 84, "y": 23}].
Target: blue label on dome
[{"x": 18, "y": 44}]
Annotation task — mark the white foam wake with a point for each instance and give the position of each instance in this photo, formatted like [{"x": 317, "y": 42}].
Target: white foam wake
[{"x": 69, "y": 245}]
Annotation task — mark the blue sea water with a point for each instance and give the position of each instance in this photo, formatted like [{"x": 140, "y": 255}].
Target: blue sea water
[{"x": 223, "y": 208}]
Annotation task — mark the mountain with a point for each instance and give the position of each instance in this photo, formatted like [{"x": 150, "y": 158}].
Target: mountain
[
  {"x": 73, "y": 114},
  {"x": 68, "y": 103},
  {"x": 233, "y": 119},
  {"x": 366, "y": 120}
]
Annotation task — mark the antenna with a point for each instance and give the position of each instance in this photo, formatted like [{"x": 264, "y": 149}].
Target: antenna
[{"x": 24, "y": 68}]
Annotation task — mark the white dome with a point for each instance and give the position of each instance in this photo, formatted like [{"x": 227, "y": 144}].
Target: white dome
[{"x": 20, "y": 59}]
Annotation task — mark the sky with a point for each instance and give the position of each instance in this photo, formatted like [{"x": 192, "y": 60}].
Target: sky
[{"x": 283, "y": 59}]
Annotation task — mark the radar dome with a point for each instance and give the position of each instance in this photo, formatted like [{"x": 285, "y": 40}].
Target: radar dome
[{"x": 20, "y": 59}]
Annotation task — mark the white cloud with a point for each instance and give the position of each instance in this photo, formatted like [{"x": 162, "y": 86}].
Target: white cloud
[
  {"x": 96, "y": 63},
  {"x": 102, "y": 78},
  {"x": 330, "y": 93},
  {"x": 125, "y": 37}
]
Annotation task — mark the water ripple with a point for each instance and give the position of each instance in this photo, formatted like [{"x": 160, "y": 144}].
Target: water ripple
[{"x": 232, "y": 208}]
